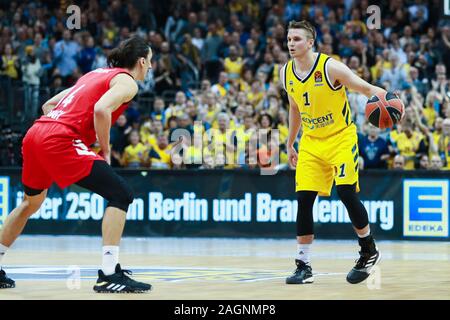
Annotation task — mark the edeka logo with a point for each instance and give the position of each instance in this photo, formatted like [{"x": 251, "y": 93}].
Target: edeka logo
[
  {"x": 425, "y": 208},
  {"x": 319, "y": 122},
  {"x": 4, "y": 199}
]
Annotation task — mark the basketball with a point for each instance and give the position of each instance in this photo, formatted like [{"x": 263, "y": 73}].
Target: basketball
[{"x": 383, "y": 110}]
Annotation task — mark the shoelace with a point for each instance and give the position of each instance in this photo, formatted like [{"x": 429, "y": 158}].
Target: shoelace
[
  {"x": 360, "y": 262},
  {"x": 128, "y": 272},
  {"x": 299, "y": 270}
]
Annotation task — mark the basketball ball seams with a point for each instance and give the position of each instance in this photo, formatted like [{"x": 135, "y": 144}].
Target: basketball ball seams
[
  {"x": 374, "y": 116},
  {"x": 385, "y": 118},
  {"x": 384, "y": 100},
  {"x": 384, "y": 110},
  {"x": 371, "y": 112},
  {"x": 394, "y": 113}
]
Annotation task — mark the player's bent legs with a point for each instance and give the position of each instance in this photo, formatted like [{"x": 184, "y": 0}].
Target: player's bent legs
[
  {"x": 112, "y": 226},
  {"x": 105, "y": 182},
  {"x": 17, "y": 219},
  {"x": 356, "y": 210},
  {"x": 369, "y": 254},
  {"x": 357, "y": 214}
]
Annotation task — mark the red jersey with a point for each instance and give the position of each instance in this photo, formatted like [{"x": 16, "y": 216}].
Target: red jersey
[{"x": 76, "y": 109}]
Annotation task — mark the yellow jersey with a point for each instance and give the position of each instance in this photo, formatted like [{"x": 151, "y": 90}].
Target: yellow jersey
[
  {"x": 149, "y": 139},
  {"x": 284, "y": 132},
  {"x": 323, "y": 107},
  {"x": 255, "y": 97},
  {"x": 9, "y": 66},
  {"x": 233, "y": 68},
  {"x": 134, "y": 156},
  {"x": 160, "y": 158},
  {"x": 430, "y": 115},
  {"x": 408, "y": 146},
  {"x": 444, "y": 148}
]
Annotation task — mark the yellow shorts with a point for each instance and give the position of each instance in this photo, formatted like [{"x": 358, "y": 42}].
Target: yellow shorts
[{"x": 322, "y": 161}]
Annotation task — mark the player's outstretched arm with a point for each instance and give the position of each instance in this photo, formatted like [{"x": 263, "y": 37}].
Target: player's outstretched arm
[
  {"x": 122, "y": 89},
  {"x": 340, "y": 72},
  {"x": 50, "y": 104}
]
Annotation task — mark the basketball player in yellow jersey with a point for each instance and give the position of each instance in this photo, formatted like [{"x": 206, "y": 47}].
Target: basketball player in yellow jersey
[{"x": 328, "y": 149}]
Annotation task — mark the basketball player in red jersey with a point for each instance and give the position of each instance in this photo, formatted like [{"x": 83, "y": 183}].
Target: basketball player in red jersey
[{"x": 55, "y": 149}]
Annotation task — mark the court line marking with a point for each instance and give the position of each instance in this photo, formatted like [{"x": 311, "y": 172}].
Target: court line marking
[{"x": 237, "y": 274}]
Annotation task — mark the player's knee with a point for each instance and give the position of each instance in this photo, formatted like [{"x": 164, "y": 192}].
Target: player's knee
[
  {"x": 305, "y": 223},
  {"x": 32, "y": 201},
  {"x": 29, "y": 206},
  {"x": 122, "y": 197},
  {"x": 356, "y": 210},
  {"x": 347, "y": 192}
]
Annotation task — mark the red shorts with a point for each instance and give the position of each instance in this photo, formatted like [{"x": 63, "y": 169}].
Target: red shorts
[{"x": 53, "y": 152}]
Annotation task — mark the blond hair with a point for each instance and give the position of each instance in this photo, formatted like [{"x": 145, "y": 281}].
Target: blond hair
[{"x": 305, "y": 25}]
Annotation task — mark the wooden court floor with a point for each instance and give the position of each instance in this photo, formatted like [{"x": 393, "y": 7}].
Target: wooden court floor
[{"x": 202, "y": 269}]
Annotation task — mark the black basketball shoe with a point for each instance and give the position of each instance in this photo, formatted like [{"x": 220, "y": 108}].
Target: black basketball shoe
[
  {"x": 364, "y": 265},
  {"x": 119, "y": 282},
  {"x": 6, "y": 282},
  {"x": 303, "y": 274}
]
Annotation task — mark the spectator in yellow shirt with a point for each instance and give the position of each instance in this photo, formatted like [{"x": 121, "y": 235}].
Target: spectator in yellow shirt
[
  {"x": 408, "y": 143},
  {"x": 444, "y": 142},
  {"x": 429, "y": 110},
  {"x": 257, "y": 93},
  {"x": 221, "y": 88},
  {"x": 211, "y": 110},
  {"x": 10, "y": 63},
  {"x": 178, "y": 108},
  {"x": 159, "y": 154},
  {"x": 151, "y": 131},
  {"x": 134, "y": 155},
  {"x": 437, "y": 129},
  {"x": 233, "y": 64}
]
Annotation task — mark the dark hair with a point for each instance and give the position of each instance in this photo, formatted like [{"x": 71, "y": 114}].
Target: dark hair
[
  {"x": 128, "y": 52},
  {"x": 268, "y": 116},
  {"x": 305, "y": 25},
  {"x": 133, "y": 131}
]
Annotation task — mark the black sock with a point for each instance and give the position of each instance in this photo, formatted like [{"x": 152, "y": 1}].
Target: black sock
[{"x": 367, "y": 244}]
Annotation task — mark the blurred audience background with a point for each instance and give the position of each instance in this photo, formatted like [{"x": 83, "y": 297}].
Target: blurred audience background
[{"x": 216, "y": 75}]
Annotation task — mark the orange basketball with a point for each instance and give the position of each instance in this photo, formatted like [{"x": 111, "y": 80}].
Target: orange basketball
[{"x": 383, "y": 110}]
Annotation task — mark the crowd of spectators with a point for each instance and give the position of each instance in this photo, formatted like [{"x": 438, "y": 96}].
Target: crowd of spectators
[{"x": 216, "y": 75}]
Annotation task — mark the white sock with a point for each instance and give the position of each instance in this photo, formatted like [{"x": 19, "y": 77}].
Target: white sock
[
  {"x": 3, "y": 250},
  {"x": 110, "y": 259},
  {"x": 364, "y": 235},
  {"x": 303, "y": 252}
]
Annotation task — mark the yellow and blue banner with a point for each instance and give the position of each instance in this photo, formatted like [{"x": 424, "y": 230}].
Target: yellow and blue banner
[{"x": 425, "y": 207}]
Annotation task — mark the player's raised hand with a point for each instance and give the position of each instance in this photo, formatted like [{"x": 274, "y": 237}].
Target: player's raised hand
[{"x": 293, "y": 157}]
